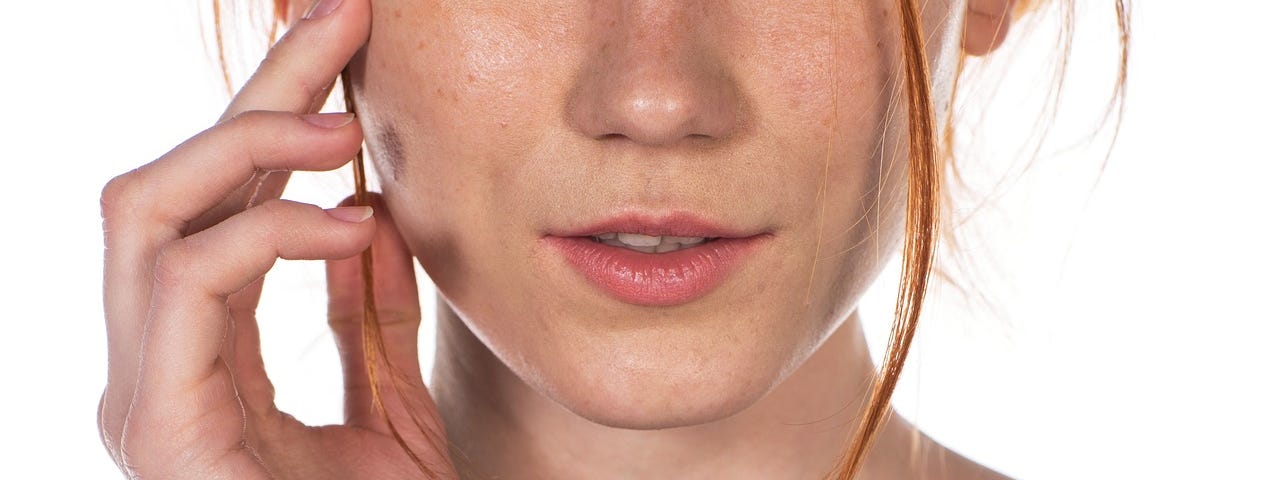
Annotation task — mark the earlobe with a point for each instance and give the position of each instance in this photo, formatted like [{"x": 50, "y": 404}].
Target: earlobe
[{"x": 986, "y": 25}]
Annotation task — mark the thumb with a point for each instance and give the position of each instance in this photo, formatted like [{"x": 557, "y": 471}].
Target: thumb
[{"x": 399, "y": 315}]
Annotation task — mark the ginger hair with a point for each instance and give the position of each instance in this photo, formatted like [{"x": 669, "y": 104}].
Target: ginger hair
[{"x": 930, "y": 159}]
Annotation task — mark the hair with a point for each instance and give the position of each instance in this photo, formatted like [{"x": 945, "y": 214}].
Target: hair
[{"x": 931, "y": 164}]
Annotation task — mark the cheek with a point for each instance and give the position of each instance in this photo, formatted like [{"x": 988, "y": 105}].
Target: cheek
[
  {"x": 475, "y": 99},
  {"x": 460, "y": 87},
  {"x": 453, "y": 102},
  {"x": 829, "y": 96}
]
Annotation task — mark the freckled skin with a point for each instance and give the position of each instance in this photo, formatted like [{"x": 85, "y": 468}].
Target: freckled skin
[
  {"x": 493, "y": 121},
  {"x": 534, "y": 118}
]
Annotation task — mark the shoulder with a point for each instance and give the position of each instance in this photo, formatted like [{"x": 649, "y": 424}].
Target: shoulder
[
  {"x": 959, "y": 467},
  {"x": 925, "y": 458}
]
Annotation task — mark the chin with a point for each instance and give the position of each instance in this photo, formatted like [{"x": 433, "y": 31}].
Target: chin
[
  {"x": 643, "y": 384},
  {"x": 637, "y": 367}
]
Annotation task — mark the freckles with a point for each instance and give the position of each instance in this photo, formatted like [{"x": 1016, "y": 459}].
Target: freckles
[{"x": 493, "y": 52}]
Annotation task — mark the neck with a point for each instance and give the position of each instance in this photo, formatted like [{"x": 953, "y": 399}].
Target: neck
[{"x": 502, "y": 428}]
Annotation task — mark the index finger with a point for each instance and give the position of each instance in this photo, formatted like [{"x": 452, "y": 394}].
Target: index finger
[
  {"x": 300, "y": 69},
  {"x": 296, "y": 76}
]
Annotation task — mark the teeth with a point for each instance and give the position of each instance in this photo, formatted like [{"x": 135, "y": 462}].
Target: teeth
[
  {"x": 665, "y": 247},
  {"x": 648, "y": 243},
  {"x": 685, "y": 240},
  {"x": 637, "y": 240}
]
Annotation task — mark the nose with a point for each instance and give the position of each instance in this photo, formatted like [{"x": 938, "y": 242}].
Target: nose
[{"x": 654, "y": 77}]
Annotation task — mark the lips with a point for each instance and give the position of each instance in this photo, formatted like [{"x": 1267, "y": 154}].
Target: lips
[{"x": 656, "y": 279}]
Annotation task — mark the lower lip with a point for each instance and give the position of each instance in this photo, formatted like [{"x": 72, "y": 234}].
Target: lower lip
[{"x": 656, "y": 279}]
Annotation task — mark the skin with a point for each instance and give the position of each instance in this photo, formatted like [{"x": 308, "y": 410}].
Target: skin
[{"x": 490, "y": 123}]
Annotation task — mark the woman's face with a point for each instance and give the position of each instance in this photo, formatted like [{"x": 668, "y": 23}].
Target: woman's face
[{"x": 499, "y": 128}]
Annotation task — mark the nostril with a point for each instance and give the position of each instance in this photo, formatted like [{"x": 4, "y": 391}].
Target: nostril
[{"x": 658, "y": 90}]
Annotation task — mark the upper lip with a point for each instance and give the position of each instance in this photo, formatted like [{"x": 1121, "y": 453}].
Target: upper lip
[{"x": 670, "y": 224}]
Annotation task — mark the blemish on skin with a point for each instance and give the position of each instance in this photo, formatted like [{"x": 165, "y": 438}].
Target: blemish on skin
[
  {"x": 471, "y": 78},
  {"x": 422, "y": 44},
  {"x": 502, "y": 124},
  {"x": 391, "y": 151}
]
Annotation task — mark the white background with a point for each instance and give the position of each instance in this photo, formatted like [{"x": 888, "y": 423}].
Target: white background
[{"x": 1136, "y": 328}]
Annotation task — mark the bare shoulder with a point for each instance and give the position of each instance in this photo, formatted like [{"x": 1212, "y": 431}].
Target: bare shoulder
[
  {"x": 924, "y": 457},
  {"x": 959, "y": 467}
]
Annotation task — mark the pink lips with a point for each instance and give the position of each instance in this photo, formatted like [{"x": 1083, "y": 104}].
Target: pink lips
[{"x": 656, "y": 279}]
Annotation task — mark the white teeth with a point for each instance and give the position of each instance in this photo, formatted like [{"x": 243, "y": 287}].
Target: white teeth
[
  {"x": 685, "y": 240},
  {"x": 637, "y": 240},
  {"x": 665, "y": 247},
  {"x": 648, "y": 243}
]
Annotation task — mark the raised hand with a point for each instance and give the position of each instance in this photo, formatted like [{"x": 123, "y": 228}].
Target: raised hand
[{"x": 189, "y": 237}]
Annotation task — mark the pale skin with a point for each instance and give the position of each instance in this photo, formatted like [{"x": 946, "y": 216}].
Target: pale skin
[{"x": 487, "y": 123}]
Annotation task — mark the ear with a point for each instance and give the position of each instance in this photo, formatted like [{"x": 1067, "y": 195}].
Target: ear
[{"x": 986, "y": 24}]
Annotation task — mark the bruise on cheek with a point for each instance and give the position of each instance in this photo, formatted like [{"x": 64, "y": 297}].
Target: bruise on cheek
[{"x": 389, "y": 150}]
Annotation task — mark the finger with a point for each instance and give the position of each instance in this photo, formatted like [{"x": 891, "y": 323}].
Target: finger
[
  {"x": 296, "y": 76},
  {"x": 399, "y": 316},
  {"x": 243, "y": 352},
  {"x": 205, "y": 170},
  {"x": 152, "y": 205},
  {"x": 986, "y": 25},
  {"x": 195, "y": 275},
  {"x": 300, "y": 69},
  {"x": 186, "y": 400}
]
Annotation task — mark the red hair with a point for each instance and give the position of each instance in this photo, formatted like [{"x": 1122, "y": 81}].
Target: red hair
[{"x": 930, "y": 157}]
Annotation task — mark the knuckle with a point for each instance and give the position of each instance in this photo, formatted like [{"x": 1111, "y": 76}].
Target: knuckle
[
  {"x": 272, "y": 60},
  {"x": 121, "y": 194},
  {"x": 132, "y": 450},
  {"x": 276, "y": 207},
  {"x": 277, "y": 63},
  {"x": 284, "y": 212},
  {"x": 282, "y": 219},
  {"x": 139, "y": 439},
  {"x": 105, "y": 433},
  {"x": 277, "y": 212},
  {"x": 387, "y": 319},
  {"x": 259, "y": 136},
  {"x": 173, "y": 264},
  {"x": 249, "y": 120},
  {"x": 399, "y": 319}
]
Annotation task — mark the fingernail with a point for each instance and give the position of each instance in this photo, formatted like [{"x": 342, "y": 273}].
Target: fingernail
[
  {"x": 321, "y": 8},
  {"x": 351, "y": 214},
  {"x": 329, "y": 120}
]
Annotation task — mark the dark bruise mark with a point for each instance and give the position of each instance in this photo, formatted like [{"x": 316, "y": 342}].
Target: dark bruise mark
[{"x": 390, "y": 150}]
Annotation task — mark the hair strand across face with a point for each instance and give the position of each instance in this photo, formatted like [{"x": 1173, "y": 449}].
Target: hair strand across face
[{"x": 929, "y": 147}]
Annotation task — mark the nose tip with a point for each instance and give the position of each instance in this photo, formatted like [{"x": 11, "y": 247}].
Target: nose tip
[
  {"x": 655, "y": 83},
  {"x": 658, "y": 111}
]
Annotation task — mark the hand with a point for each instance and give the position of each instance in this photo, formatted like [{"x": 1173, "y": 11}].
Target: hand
[{"x": 189, "y": 238}]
